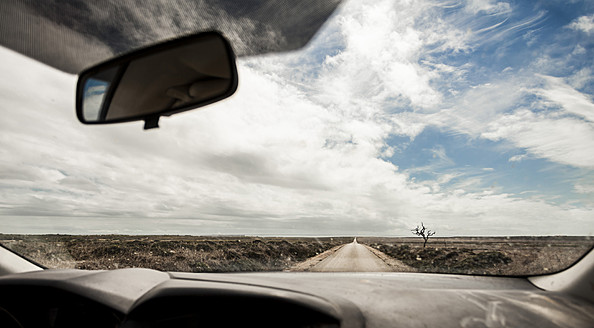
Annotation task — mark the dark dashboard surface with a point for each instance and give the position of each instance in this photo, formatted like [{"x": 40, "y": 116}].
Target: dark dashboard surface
[{"x": 146, "y": 298}]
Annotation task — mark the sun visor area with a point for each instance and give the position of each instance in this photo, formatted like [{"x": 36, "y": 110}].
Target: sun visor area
[{"x": 73, "y": 35}]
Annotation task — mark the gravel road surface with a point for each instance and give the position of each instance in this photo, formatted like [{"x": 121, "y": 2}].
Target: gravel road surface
[{"x": 352, "y": 257}]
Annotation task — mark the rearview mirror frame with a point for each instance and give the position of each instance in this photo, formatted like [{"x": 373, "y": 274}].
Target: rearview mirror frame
[{"x": 121, "y": 63}]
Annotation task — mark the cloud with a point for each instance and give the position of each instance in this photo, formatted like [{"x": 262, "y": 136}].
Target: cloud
[
  {"x": 518, "y": 158},
  {"x": 583, "y": 23},
  {"x": 565, "y": 140},
  {"x": 487, "y": 6},
  {"x": 380, "y": 57},
  {"x": 584, "y": 189},
  {"x": 303, "y": 146},
  {"x": 470, "y": 111},
  {"x": 549, "y": 120},
  {"x": 581, "y": 78},
  {"x": 571, "y": 100}
]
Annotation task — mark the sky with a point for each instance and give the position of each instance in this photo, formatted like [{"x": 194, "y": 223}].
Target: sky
[{"x": 475, "y": 118}]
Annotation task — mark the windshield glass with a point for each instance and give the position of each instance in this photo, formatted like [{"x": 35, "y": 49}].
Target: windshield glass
[{"x": 428, "y": 136}]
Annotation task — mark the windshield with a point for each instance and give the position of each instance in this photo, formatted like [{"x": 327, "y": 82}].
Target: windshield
[{"x": 428, "y": 136}]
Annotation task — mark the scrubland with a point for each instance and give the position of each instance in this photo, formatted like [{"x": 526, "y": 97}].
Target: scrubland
[
  {"x": 485, "y": 255},
  {"x": 480, "y": 255}
]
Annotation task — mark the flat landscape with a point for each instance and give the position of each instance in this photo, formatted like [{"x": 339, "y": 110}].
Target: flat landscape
[
  {"x": 485, "y": 255},
  {"x": 169, "y": 253},
  {"x": 479, "y": 255}
]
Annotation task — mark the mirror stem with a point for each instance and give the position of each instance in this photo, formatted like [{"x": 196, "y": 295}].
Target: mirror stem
[{"x": 151, "y": 122}]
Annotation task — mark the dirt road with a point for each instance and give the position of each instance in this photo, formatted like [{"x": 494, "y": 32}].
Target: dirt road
[{"x": 352, "y": 257}]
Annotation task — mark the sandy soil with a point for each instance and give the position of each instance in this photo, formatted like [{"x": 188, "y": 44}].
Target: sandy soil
[{"x": 352, "y": 257}]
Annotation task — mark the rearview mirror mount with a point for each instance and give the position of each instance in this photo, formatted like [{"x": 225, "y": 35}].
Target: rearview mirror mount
[{"x": 160, "y": 80}]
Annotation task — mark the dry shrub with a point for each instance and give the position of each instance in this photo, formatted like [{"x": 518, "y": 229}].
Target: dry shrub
[
  {"x": 488, "y": 255},
  {"x": 169, "y": 253}
]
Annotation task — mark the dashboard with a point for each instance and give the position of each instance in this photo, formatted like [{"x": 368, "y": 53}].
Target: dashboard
[
  {"x": 148, "y": 298},
  {"x": 38, "y": 306}
]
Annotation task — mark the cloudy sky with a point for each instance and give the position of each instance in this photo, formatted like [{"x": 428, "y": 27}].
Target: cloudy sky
[{"x": 475, "y": 117}]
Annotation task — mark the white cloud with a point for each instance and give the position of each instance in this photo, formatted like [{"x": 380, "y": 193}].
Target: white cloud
[
  {"x": 580, "y": 78},
  {"x": 470, "y": 111},
  {"x": 518, "y": 158},
  {"x": 546, "y": 134},
  {"x": 295, "y": 151},
  {"x": 564, "y": 140},
  {"x": 573, "y": 101},
  {"x": 584, "y": 24},
  {"x": 487, "y": 6},
  {"x": 578, "y": 50},
  {"x": 380, "y": 58},
  {"x": 584, "y": 189},
  {"x": 445, "y": 178},
  {"x": 498, "y": 111}
]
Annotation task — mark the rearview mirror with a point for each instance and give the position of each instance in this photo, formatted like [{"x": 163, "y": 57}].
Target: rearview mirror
[{"x": 160, "y": 80}]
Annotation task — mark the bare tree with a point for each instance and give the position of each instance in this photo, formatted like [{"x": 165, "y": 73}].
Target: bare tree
[{"x": 423, "y": 232}]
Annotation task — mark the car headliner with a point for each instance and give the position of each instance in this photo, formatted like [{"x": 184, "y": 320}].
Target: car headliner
[{"x": 73, "y": 35}]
